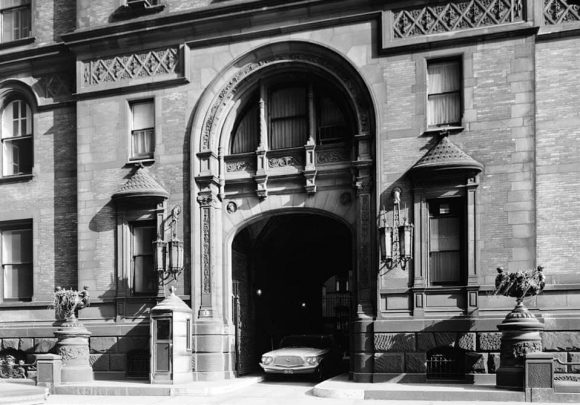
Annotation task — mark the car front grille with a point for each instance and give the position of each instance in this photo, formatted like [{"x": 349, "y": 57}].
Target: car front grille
[{"x": 288, "y": 361}]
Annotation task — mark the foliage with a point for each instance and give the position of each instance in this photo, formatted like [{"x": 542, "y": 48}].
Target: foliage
[{"x": 520, "y": 284}]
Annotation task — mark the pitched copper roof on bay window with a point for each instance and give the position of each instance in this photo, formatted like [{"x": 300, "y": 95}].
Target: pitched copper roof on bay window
[
  {"x": 141, "y": 184},
  {"x": 446, "y": 156}
]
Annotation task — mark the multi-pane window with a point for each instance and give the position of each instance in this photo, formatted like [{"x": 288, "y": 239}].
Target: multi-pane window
[
  {"x": 142, "y": 273},
  {"x": 17, "y": 157},
  {"x": 446, "y": 241},
  {"x": 142, "y": 129},
  {"x": 16, "y": 263},
  {"x": 15, "y": 19},
  {"x": 293, "y": 113},
  {"x": 444, "y": 93}
]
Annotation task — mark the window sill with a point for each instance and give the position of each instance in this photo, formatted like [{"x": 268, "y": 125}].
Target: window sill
[
  {"x": 25, "y": 304},
  {"x": 16, "y": 178},
  {"x": 144, "y": 161},
  {"x": 16, "y": 43},
  {"x": 450, "y": 129}
]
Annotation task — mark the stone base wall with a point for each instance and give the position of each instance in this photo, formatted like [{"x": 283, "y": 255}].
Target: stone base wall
[{"x": 407, "y": 352}]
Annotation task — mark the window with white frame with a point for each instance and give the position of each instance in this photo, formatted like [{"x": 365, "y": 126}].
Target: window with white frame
[
  {"x": 142, "y": 129},
  {"x": 446, "y": 246},
  {"x": 15, "y": 19},
  {"x": 17, "y": 153},
  {"x": 444, "y": 93},
  {"x": 16, "y": 257},
  {"x": 143, "y": 280}
]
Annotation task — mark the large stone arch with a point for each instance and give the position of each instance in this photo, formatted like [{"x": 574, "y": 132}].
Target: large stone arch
[{"x": 216, "y": 217}]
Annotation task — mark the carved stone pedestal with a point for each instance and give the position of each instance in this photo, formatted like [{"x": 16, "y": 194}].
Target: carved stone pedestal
[
  {"x": 520, "y": 336},
  {"x": 73, "y": 347}
]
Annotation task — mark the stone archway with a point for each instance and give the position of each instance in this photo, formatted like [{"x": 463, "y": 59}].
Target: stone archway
[{"x": 231, "y": 189}]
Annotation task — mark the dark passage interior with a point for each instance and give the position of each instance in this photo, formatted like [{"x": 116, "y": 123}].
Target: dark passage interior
[{"x": 291, "y": 275}]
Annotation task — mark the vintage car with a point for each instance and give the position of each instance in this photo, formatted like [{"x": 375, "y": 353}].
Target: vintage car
[{"x": 318, "y": 355}]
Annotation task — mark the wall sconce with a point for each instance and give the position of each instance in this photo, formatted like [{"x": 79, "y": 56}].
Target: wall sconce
[
  {"x": 396, "y": 239},
  {"x": 168, "y": 254}
]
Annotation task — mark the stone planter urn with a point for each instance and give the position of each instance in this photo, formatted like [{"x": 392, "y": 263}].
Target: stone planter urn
[
  {"x": 73, "y": 337},
  {"x": 520, "y": 329}
]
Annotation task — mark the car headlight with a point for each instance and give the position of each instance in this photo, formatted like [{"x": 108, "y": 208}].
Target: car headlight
[
  {"x": 266, "y": 360},
  {"x": 313, "y": 360}
]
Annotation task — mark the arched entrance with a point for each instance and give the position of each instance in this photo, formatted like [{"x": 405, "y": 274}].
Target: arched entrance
[
  {"x": 291, "y": 274},
  {"x": 286, "y": 128}
]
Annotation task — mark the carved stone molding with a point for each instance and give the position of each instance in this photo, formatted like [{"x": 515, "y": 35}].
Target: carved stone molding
[
  {"x": 127, "y": 67},
  {"x": 559, "y": 11},
  {"x": 55, "y": 86},
  {"x": 205, "y": 251},
  {"x": 241, "y": 164},
  {"x": 73, "y": 352},
  {"x": 455, "y": 16},
  {"x": 228, "y": 92},
  {"x": 205, "y": 200}
]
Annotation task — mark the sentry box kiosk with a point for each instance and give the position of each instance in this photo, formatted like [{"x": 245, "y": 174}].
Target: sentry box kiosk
[{"x": 171, "y": 341}]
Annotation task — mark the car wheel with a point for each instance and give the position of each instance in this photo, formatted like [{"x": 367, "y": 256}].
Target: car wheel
[{"x": 319, "y": 373}]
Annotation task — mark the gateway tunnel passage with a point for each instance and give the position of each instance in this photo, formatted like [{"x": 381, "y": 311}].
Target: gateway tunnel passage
[{"x": 291, "y": 275}]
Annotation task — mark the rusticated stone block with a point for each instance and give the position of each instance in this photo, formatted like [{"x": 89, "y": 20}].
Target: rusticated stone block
[
  {"x": 466, "y": 341},
  {"x": 99, "y": 362},
  {"x": 130, "y": 343},
  {"x": 10, "y": 344},
  {"x": 489, "y": 341},
  {"x": 428, "y": 341},
  {"x": 103, "y": 344},
  {"x": 394, "y": 342},
  {"x": 561, "y": 341},
  {"x": 415, "y": 362},
  {"x": 389, "y": 363},
  {"x": 574, "y": 358},
  {"x": 44, "y": 345},
  {"x": 475, "y": 363},
  {"x": 118, "y": 362},
  {"x": 493, "y": 362},
  {"x": 562, "y": 356},
  {"x": 26, "y": 345}
]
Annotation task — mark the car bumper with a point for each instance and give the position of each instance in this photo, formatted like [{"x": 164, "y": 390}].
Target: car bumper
[{"x": 288, "y": 370}]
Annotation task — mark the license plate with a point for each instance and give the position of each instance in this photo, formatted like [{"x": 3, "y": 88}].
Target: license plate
[{"x": 288, "y": 371}]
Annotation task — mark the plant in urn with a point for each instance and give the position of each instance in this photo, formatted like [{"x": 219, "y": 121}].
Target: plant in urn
[
  {"x": 520, "y": 329},
  {"x": 73, "y": 337}
]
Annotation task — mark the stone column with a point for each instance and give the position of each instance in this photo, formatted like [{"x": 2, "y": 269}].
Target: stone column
[{"x": 363, "y": 329}]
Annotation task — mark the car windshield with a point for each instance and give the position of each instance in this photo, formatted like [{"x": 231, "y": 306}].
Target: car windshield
[{"x": 316, "y": 341}]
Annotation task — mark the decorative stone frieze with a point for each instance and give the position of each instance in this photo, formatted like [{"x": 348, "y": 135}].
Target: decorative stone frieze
[
  {"x": 455, "y": 16},
  {"x": 559, "y": 11},
  {"x": 332, "y": 156},
  {"x": 242, "y": 164},
  {"x": 115, "y": 69},
  {"x": 285, "y": 161}
]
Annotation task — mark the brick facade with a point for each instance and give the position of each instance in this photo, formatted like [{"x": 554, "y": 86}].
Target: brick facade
[{"x": 520, "y": 116}]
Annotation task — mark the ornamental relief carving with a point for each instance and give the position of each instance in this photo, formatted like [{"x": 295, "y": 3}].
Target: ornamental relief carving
[
  {"x": 205, "y": 254},
  {"x": 455, "y": 16},
  {"x": 240, "y": 165},
  {"x": 285, "y": 161},
  {"x": 332, "y": 156},
  {"x": 559, "y": 11},
  {"x": 126, "y": 67},
  {"x": 228, "y": 92},
  {"x": 55, "y": 86},
  {"x": 73, "y": 352}
]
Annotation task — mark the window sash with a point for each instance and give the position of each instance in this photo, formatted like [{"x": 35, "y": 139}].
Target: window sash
[
  {"x": 445, "y": 244},
  {"x": 16, "y": 23},
  {"x": 16, "y": 119},
  {"x": 142, "y": 266},
  {"x": 142, "y": 142},
  {"x": 17, "y": 156},
  {"x": 143, "y": 115},
  {"x": 444, "y": 93},
  {"x": 17, "y": 264}
]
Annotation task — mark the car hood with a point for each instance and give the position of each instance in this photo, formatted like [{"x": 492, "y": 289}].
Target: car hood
[{"x": 296, "y": 351}]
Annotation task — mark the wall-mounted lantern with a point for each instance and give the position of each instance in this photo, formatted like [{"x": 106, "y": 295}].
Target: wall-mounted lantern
[
  {"x": 396, "y": 238},
  {"x": 168, "y": 254}
]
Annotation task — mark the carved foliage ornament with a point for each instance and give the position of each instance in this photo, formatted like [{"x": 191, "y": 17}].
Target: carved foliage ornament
[
  {"x": 205, "y": 247},
  {"x": 126, "y": 67},
  {"x": 559, "y": 11},
  {"x": 285, "y": 161},
  {"x": 229, "y": 90},
  {"x": 455, "y": 16},
  {"x": 70, "y": 352}
]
